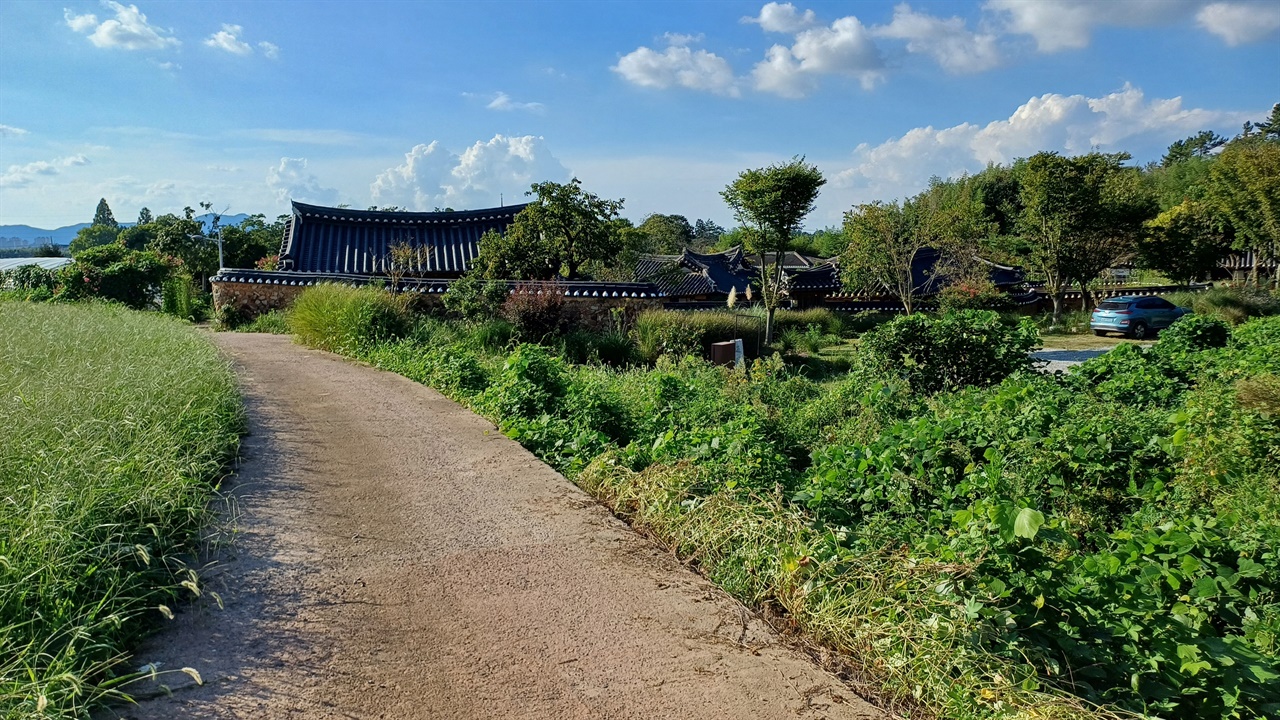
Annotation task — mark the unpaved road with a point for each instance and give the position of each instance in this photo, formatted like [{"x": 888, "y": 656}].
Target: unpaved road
[{"x": 397, "y": 557}]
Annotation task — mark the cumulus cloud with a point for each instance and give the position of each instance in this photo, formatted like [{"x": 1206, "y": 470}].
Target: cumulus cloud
[
  {"x": 678, "y": 66},
  {"x": 128, "y": 30},
  {"x": 22, "y": 175},
  {"x": 271, "y": 51},
  {"x": 1239, "y": 23},
  {"x": 1068, "y": 24},
  {"x": 682, "y": 39},
  {"x": 844, "y": 48},
  {"x": 782, "y": 18},
  {"x": 503, "y": 101},
  {"x": 1068, "y": 123},
  {"x": 290, "y": 180},
  {"x": 11, "y": 131},
  {"x": 432, "y": 176},
  {"x": 947, "y": 41},
  {"x": 228, "y": 39}
]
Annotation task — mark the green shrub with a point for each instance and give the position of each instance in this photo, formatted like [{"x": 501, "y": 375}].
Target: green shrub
[
  {"x": 348, "y": 320},
  {"x": 181, "y": 298},
  {"x": 1191, "y": 333},
  {"x": 471, "y": 297},
  {"x": 973, "y": 295},
  {"x": 933, "y": 353},
  {"x": 532, "y": 383},
  {"x": 115, "y": 273}
]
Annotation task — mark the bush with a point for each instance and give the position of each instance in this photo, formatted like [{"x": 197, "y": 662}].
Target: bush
[
  {"x": 181, "y": 298},
  {"x": 471, "y": 297},
  {"x": 494, "y": 335},
  {"x": 972, "y": 347},
  {"x": 113, "y": 272},
  {"x": 532, "y": 383},
  {"x": 973, "y": 295},
  {"x": 1192, "y": 333},
  {"x": 536, "y": 312},
  {"x": 348, "y": 320}
]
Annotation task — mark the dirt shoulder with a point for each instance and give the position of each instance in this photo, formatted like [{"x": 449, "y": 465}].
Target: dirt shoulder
[{"x": 397, "y": 557}]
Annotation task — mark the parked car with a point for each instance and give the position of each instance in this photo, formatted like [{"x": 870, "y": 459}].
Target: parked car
[{"x": 1135, "y": 317}]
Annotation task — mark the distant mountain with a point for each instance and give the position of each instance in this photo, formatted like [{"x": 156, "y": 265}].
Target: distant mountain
[{"x": 27, "y": 236}]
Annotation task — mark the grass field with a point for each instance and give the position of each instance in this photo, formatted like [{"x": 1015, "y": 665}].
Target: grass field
[{"x": 117, "y": 426}]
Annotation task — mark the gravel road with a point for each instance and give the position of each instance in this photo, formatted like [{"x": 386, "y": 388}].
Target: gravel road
[
  {"x": 397, "y": 557},
  {"x": 1056, "y": 359}
]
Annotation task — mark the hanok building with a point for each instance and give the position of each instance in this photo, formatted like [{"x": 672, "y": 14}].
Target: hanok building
[{"x": 343, "y": 245}]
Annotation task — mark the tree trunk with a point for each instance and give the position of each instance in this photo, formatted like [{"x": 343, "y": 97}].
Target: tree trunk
[
  {"x": 768, "y": 325},
  {"x": 1058, "y": 300}
]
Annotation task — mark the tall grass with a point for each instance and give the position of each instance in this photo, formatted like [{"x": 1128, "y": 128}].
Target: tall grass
[
  {"x": 1234, "y": 305},
  {"x": 116, "y": 427},
  {"x": 344, "y": 319}
]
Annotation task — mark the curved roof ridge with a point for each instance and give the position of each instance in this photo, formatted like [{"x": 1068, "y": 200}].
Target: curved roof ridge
[{"x": 337, "y": 213}]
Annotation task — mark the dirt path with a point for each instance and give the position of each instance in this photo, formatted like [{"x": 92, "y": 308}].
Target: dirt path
[{"x": 399, "y": 558}]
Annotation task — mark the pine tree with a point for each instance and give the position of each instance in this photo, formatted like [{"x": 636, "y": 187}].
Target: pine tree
[
  {"x": 103, "y": 216},
  {"x": 144, "y": 216}
]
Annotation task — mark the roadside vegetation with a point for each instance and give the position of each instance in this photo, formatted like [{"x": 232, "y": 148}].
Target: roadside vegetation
[
  {"x": 117, "y": 426},
  {"x": 975, "y": 538}
]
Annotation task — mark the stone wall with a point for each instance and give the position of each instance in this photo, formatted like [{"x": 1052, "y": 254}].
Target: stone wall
[{"x": 252, "y": 299}]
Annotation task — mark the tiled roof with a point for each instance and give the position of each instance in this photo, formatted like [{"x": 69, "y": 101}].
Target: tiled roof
[
  {"x": 342, "y": 240},
  {"x": 693, "y": 273},
  {"x": 570, "y": 288}
]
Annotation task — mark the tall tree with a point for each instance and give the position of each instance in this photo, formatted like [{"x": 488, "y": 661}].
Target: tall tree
[
  {"x": 93, "y": 236},
  {"x": 772, "y": 203},
  {"x": 102, "y": 215},
  {"x": 1110, "y": 231},
  {"x": 563, "y": 230},
  {"x": 1245, "y": 188},
  {"x": 668, "y": 234},
  {"x": 144, "y": 216},
  {"x": 882, "y": 252},
  {"x": 707, "y": 232},
  {"x": 183, "y": 238},
  {"x": 253, "y": 239},
  {"x": 1202, "y": 144},
  {"x": 1184, "y": 242},
  {"x": 1057, "y": 208},
  {"x": 886, "y": 240}
]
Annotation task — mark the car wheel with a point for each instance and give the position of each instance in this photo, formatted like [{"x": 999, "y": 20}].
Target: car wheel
[
  {"x": 1138, "y": 331},
  {"x": 1100, "y": 333}
]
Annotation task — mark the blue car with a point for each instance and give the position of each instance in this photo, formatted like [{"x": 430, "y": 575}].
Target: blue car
[{"x": 1135, "y": 317}]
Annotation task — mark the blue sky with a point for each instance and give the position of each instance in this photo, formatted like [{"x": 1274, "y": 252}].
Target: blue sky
[{"x": 457, "y": 104}]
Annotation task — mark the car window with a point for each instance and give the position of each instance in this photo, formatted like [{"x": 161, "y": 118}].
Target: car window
[
  {"x": 1112, "y": 305},
  {"x": 1148, "y": 304},
  {"x": 1162, "y": 304}
]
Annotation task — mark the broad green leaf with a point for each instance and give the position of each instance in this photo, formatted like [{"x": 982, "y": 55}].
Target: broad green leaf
[{"x": 1028, "y": 523}]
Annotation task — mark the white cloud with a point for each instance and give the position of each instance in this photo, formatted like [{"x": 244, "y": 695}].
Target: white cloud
[
  {"x": 271, "y": 51},
  {"x": 503, "y": 101},
  {"x": 678, "y": 66},
  {"x": 228, "y": 39},
  {"x": 948, "y": 41},
  {"x": 682, "y": 39},
  {"x": 290, "y": 180},
  {"x": 22, "y": 175},
  {"x": 128, "y": 30},
  {"x": 1239, "y": 23},
  {"x": 1067, "y": 123},
  {"x": 432, "y": 177},
  {"x": 1068, "y": 24},
  {"x": 844, "y": 48},
  {"x": 11, "y": 131},
  {"x": 782, "y": 18}
]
